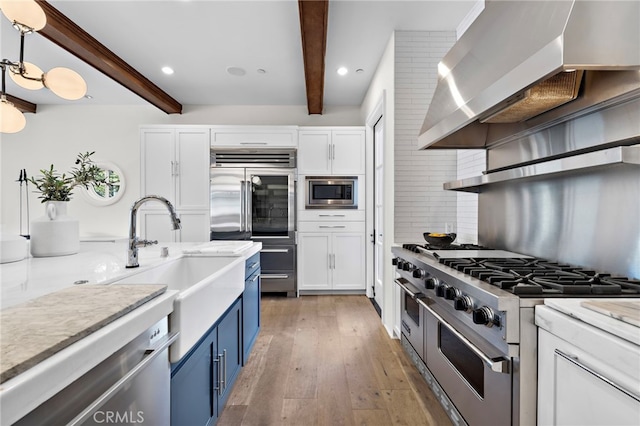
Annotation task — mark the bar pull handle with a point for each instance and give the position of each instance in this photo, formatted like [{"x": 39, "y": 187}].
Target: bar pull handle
[
  {"x": 331, "y": 215},
  {"x": 499, "y": 364},
  {"x": 243, "y": 199},
  {"x": 173, "y": 168},
  {"x": 253, "y": 143},
  {"x": 330, "y": 151},
  {"x": 254, "y": 265},
  {"x": 331, "y": 226},
  {"x": 274, "y": 276},
  {"x": 224, "y": 369},
  {"x": 150, "y": 355},
  {"x": 409, "y": 289},
  {"x": 575, "y": 361},
  {"x": 333, "y": 152},
  {"x": 274, "y": 251}
]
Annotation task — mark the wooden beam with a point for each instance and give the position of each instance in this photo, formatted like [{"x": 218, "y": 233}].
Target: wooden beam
[
  {"x": 313, "y": 28},
  {"x": 66, "y": 34},
  {"x": 21, "y": 104}
]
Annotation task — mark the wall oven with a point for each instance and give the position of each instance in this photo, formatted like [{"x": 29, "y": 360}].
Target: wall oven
[
  {"x": 412, "y": 316},
  {"x": 331, "y": 192}
]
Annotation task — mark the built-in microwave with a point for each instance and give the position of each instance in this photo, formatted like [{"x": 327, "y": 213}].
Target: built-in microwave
[{"x": 331, "y": 192}]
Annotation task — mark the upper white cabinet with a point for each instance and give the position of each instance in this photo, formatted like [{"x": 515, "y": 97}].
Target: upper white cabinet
[
  {"x": 332, "y": 151},
  {"x": 254, "y": 136},
  {"x": 175, "y": 165}
]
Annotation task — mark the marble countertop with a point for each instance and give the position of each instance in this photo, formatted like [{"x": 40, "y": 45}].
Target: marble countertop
[{"x": 574, "y": 308}]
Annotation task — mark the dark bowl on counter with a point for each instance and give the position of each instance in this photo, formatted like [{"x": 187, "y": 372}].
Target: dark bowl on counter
[{"x": 439, "y": 239}]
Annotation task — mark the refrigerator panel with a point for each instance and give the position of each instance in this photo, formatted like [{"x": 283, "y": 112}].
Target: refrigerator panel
[
  {"x": 228, "y": 204},
  {"x": 271, "y": 202}
]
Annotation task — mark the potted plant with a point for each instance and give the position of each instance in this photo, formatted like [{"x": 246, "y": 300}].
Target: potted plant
[
  {"x": 57, "y": 234},
  {"x": 55, "y": 187}
]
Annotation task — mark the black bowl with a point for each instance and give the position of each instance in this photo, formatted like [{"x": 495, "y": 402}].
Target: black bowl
[{"x": 440, "y": 240}]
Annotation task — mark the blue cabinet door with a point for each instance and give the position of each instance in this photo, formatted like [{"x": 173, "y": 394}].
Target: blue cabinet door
[
  {"x": 250, "y": 313},
  {"x": 192, "y": 387},
  {"x": 229, "y": 350}
]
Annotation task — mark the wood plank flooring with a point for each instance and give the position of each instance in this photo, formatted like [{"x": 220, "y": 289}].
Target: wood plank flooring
[{"x": 326, "y": 361}]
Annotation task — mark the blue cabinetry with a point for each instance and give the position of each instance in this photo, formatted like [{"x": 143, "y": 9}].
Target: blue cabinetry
[
  {"x": 201, "y": 382},
  {"x": 251, "y": 305}
]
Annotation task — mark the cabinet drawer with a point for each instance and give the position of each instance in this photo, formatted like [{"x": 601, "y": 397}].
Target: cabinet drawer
[
  {"x": 251, "y": 265},
  {"x": 254, "y": 138},
  {"x": 334, "y": 226},
  {"x": 277, "y": 258},
  {"x": 331, "y": 215}
]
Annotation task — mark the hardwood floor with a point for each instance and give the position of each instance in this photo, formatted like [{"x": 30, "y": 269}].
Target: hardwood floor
[{"x": 327, "y": 360}]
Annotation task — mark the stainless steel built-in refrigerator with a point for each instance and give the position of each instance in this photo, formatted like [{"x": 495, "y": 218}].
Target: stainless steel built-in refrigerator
[{"x": 253, "y": 197}]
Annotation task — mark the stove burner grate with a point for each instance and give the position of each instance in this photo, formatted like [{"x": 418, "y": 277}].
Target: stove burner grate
[{"x": 531, "y": 276}]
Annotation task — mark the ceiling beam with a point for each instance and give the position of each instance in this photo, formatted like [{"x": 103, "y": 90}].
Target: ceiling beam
[
  {"x": 66, "y": 34},
  {"x": 313, "y": 28},
  {"x": 21, "y": 104}
]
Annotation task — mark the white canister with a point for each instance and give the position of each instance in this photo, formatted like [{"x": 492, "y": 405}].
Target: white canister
[{"x": 55, "y": 233}]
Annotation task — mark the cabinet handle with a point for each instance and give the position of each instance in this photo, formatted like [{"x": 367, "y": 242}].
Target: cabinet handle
[
  {"x": 331, "y": 215},
  {"x": 177, "y": 166},
  {"x": 274, "y": 276},
  {"x": 334, "y": 260},
  {"x": 274, "y": 251},
  {"x": 216, "y": 369},
  {"x": 329, "y": 151},
  {"x": 173, "y": 173},
  {"x": 255, "y": 278},
  {"x": 253, "y": 143},
  {"x": 253, "y": 265},
  {"x": 220, "y": 374},
  {"x": 224, "y": 369},
  {"x": 149, "y": 355},
  {"x": 332, "y": 226},
  {"x": 574, "y": 360},
  {"x": 333, "y": 152}
]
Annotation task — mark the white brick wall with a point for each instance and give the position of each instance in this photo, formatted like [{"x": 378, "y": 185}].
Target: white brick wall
[
  {"x": 470, "y": 163},
  {"x": 420, "y": 202}
]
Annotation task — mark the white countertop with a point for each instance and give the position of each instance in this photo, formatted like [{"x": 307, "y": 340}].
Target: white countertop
[
  {"x": 99, "y": 262},
  {"x": 574, "y": 309}
]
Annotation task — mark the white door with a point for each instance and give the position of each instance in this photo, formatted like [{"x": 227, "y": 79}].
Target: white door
[
  {"x": 313, "y": 152},
  {"x": 378, "y": 202},
  {"x": 158, "y": 167},
  {"x": 192, "y": 169},
  {"x": 347, "y": 152},
  {"x": 314, "y": 250}
]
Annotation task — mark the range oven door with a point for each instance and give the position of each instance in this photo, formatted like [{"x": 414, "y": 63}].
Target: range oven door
[
  {"x": 475, "y": 377},
  {"x": 412, "y": 316}
]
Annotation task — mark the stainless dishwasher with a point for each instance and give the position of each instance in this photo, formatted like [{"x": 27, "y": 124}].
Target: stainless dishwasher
[{"x": 132, "y": 386}]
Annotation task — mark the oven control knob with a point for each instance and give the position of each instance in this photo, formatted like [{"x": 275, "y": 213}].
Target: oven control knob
[
  {"x": 394, "y": 261},
  {"x": 431, "y": 283},
  {"x": 399, "y": 264},
  {"x": 419, "y": 273},
  {"x": 484, "y": 316},
  {"x": 463, "y": 303},
  {"x": 406, "y": 266},
  {"x": 451, "y": 293},
  {"x": 441, "y": 290}
]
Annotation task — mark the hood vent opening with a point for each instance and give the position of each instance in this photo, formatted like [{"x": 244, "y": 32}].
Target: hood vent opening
[{"x": 551, "y": 93}]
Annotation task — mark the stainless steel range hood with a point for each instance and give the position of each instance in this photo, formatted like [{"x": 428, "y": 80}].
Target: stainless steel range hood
[{"x": 516, "y": 52}]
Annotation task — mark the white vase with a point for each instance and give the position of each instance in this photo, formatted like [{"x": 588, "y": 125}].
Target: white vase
[{"x": 55, "y": 233}]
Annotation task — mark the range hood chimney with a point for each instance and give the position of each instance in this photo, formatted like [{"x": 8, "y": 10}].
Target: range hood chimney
[{"x": 524, "y": 65}]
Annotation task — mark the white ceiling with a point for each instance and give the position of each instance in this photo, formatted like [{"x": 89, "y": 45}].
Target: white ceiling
[{"x": 200, "y": 39}]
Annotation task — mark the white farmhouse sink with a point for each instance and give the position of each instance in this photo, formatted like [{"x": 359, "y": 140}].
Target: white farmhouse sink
[{"x": 207, "y": 286}]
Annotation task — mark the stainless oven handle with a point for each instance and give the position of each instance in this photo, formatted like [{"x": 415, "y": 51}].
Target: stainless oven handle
[
  {"x": 243, "y": 199},
  {"x": 274, "y": 276},
  {"x": 499, "y": 365},
  {"x": 574, "y": 360},
  {"x": 413, "y": 292},
  {"x": 248, "y": 213},
  {"x": 274, "y": 251},
  {"x": 150, "y": 355}
]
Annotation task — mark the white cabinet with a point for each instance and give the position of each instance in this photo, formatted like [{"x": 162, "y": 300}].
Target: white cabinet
[
  {"x": 586, "y": 376},
  {"x": 331, "y": 256},
  {"x": 333, "y": 151},
  {"x": 175, "y": 165},
  {"x": 254, "y": 136}
]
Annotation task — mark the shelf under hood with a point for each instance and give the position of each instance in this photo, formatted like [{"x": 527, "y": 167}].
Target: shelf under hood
[
  {"x": 602, "y": 158},
  {"x": 512, "y": 48}
]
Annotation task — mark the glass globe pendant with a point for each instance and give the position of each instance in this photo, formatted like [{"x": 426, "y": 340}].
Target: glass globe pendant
[
  {"x": 11, "y": 119},
  {"x": 65, "y": 83}
]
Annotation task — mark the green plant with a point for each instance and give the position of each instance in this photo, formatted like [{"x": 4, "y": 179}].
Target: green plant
[{"x": 56, "y": 187}]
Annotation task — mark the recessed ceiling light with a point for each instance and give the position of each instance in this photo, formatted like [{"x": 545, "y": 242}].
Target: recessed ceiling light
[
  {"x": 167, "y": 70},
  {"x": 88, "y": 97},
  {"x": 342, "y": 71},
  {"x": 237, "y": 71},
  {"x": 261, "y": 71},
  {"x": 359, "y": 71}
]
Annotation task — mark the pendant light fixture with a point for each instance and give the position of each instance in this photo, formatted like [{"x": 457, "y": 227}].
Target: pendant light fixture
[{"x": 27, "y": 16}]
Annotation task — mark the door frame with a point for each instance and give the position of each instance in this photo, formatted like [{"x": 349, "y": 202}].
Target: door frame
[{"x": 376, "y": 114}]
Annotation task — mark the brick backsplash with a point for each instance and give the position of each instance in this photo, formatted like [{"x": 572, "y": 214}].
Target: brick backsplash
[{"x": 420, "y": 202}]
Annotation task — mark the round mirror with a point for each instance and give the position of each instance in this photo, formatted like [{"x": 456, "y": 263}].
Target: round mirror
[{"x": 109, "y": 192}]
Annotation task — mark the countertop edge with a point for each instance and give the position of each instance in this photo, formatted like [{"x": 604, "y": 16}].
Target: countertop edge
[{"x": 23, "y": 393}]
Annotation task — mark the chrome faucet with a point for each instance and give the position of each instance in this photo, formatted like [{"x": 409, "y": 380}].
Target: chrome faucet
[{"x": 134, "y": 242}]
